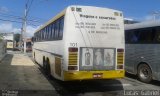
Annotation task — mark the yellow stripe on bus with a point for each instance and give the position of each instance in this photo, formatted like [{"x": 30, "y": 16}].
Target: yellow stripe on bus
[{"x": 88, "y": 75}]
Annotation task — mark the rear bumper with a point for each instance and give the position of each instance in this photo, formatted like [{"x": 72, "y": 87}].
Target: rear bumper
[{"x": 88, "y": 75}]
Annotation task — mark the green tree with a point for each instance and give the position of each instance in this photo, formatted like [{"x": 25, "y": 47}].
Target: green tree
[{"x": 17, "y": 37}]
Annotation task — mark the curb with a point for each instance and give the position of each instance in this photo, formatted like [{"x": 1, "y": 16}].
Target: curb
[{"x": 2, "y": 57}]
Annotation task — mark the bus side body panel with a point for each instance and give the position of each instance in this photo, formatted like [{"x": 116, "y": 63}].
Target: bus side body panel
[
  {"x": 143, "y": 46},
  {"x": 139, "y": 53},
  {"x": 49, "y": 50}
]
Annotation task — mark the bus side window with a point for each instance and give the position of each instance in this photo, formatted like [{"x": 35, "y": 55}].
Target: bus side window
[
  {"x": 61, "y": 28},
  {"x": 46, "y": 36},
  {"x": 53, "y": 31},
  {"x": 134, "y": 38},
  {"x": 45, "y": 33},
  {"x": 127, "y": 37},
  {"x": 158, "y": 38},
  {"x": 50, "y": 32},
  {"x": 58, "y": 29},
  {"x": 157, "y": 35},
  {"x": 42, "y": 34}
]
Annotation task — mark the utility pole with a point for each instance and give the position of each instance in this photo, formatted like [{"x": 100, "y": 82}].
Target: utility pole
[
  {"x": 27, "y": 8},
  {"x": 24, "y": 28},
  {"x": 21, "y": 38}
]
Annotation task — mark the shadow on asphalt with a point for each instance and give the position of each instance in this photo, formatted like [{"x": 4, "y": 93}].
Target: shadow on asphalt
[
  {"x": 73, "y": 88},
  {"x": 131, "y": 76},
  {"x": 7, "y": 59},
  {"x": 86, "y": 86},
  {"x": 153, "y": 82}
]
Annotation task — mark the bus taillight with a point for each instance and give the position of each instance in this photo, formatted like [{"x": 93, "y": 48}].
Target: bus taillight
[
  {"x": 73, "y": 55},
  {"x": 72, "y": 68},
  {"x": 120, "y": 58},
  {"x": 73, "y": 49},
  {"x": 120, "y": 50}
]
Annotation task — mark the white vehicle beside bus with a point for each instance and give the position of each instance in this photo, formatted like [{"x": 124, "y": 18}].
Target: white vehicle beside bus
[
  {"x": 82, "y": 43},
  {"x": 143, "y": 50}
]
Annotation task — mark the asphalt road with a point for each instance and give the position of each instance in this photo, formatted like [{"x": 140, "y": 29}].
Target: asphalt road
[
  {"x": 19, "y": 76},
  {"x": 36, "y": 79},
  {"x": 106, "y": 87},
  {"x": 127, "y": 86}
]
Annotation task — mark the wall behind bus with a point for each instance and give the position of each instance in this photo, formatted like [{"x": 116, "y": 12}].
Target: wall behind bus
[{"x": 2, "y": 49}]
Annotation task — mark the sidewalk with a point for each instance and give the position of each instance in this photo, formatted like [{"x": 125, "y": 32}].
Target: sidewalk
[{"x": 18, "y": 72}]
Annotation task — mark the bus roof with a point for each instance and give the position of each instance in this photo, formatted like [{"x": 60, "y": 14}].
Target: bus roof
[{"x": 142, "y": 25}]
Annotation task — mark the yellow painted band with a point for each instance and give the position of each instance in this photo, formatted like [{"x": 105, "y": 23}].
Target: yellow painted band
[{"x": 88, "y": 75}]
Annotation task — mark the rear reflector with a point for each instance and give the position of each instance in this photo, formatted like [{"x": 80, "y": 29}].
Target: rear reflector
[
  {"x": 120, "y": 67},
  {"x": 73, "y": 49},
  {"x": 73, "y": 55},
  {"x": 120, "y": 57}
]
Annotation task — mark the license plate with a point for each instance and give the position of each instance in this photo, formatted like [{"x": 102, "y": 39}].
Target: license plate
[{"x": 97, "y": 75}]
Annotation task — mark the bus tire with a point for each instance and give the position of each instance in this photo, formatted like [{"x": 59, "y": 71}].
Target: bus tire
[
  {"x": 34, "y": 56},
  {"x": 144, "y": 73},
  {"x": 44, "y": 64},
  {"x": 48, "y": 69}
]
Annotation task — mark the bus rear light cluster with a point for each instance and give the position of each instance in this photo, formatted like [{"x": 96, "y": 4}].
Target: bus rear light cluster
[
  {"x": 73, "y": 49},
  {"x": 119, "y": 66},
  {"x": 72, "y": 68},
  {"x": 120, "y": 58},
  {"x": 120, "y": 50},
  {"x": 73, "y": 55}
]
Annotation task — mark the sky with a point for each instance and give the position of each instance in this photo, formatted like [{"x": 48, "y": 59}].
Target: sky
[{"x": 41, "y": 11}]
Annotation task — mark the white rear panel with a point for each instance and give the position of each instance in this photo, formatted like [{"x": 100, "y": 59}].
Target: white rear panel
[{"x": 101, "y": 30}]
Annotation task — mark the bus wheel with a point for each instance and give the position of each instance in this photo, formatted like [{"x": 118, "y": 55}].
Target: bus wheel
[
  {"x": 48, "y": 69},
  {"x": 44, "y": 64},
  {"x": 34, "y": 56},
  {"x": 144, "y": 73}
]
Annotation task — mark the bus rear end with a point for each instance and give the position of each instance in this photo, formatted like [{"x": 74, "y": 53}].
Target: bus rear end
[{"x": 94, "y": 43}]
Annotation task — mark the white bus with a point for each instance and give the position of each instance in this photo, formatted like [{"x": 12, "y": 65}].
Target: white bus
[{"x": 82, "y": 43}]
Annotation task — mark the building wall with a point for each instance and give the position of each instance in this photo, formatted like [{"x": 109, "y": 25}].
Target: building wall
[
  {"x": 8, "y": 36},
  {"x": 2, "y": 49}
]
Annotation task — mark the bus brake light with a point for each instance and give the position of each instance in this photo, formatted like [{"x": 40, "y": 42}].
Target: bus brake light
[
  {"x": 72, "y": 68},
  {"x": 120, "y": 50},
  {"x": 73, "y": 49}
]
